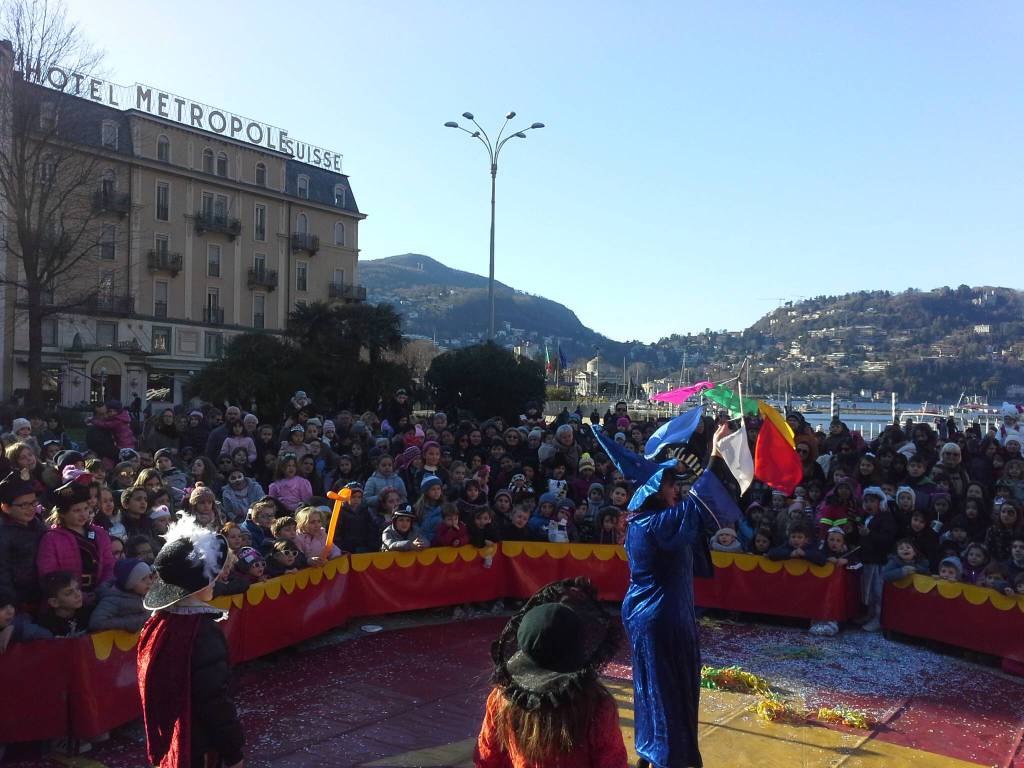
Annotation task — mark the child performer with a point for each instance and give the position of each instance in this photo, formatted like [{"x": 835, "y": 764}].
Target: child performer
[
  {"x": 189, "y": 717},
  {"x": 548, "y": 706}
]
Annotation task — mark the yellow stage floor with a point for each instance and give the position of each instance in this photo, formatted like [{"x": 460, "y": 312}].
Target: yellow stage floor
[{"x": 733, "y": 737}]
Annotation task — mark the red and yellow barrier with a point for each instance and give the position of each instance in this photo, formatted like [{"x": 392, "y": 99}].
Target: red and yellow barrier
[
  {"x": 85, "y": 686},
  {"x": 976, "y": 618}
]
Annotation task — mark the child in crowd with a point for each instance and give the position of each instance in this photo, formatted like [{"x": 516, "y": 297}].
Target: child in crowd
[
  {"x": 251, "y": 565},
  {"x": 975, "y": 558},
  {"x": 289, "y": 489},
  {"x": 1015, "y": 565},
  {"x": 159, "y": 521},
  {"x": 261, "y": 516},
  {"x": 283, "y": 555},
  {"x": 878, "y": 534},
  {"x": 836, "y": 550},
  {"x": 232, "y": 534},
  {"x": 1001, "y": 533},
  {"x": 429, "y": 507},
  {"x": 517, "y": 527},
  {"x": 383, "y": 478},
  {"x": 120, "y": 603},
  {"x": 726, "y": 540},
  {"x": 761, "y": 541},
  {"x": 906, "y": 561},
  {"x": 798, "y": 546},
  {"x": 924, "y": 537},
  {"x": 17, "y": 627},
  {"x": 452, "y": 532},
  {"x": 483, "y": 532},
  {"x": 311, "y": 536},
  {"x": 239, "y": 494},
  {"x": 951, "y": 569},
  {"x": 64, "y": 614},
  {"x": 286, "y": 529},
  {"x": 403, "y": 534}
]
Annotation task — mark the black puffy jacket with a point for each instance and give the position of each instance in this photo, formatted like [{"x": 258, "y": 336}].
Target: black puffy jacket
[
  {"x": 215, "y": 725},
  {"x": 18, "y": 546}
]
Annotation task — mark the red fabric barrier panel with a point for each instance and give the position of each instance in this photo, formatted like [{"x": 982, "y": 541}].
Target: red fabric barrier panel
[
  {"x": 34, "y": 681},
  {"x": 779, "y": 587},
  {"x": 85, "y": 686},
  {"x": 971, "y": 617}
]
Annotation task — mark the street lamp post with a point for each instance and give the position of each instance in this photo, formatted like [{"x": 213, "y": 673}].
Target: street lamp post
[{"x": 493, "y": 150}]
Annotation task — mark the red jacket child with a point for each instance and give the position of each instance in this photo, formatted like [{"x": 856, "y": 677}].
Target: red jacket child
[{"x": 447, "y": 536}]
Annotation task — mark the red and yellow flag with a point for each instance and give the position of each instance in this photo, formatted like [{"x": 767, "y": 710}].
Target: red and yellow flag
[{"x": 775, "y": 461}]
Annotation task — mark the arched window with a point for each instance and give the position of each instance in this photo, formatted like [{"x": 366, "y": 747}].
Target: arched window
[
  {"x": 163, "y": 149},
  {"x": 301, "y": 224},
  {"x": 339, "y": 233},
  {"x": 261, "y": 174},
  {"x": 222, "y": 164},
  {"x": 110, "y": 134},
  {"x": 207, "y": 160},
  {"x": 302, "y": 187},
  {"x": 339, "y": 195}
]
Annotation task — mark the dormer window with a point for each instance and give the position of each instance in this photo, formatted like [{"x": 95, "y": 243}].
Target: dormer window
[
  {"x": 109, "y": 134},
  {"x": 207, "y": 160},
  {"x": 163, "y": 149},
  {"x": 339, "y": 195},
  {"x": 302, "y": 187},
  {"x": 261, "y": 175},
  {"x": 222, "y": 164}
]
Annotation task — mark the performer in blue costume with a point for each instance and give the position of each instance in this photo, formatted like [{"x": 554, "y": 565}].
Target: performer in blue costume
[{"x": 667, "y": 545}]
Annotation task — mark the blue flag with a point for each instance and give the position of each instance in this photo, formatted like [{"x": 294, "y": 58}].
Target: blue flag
[
  {"x": 633, "y": 467},
  {"x": 674, "y": 432},
  {"x": 563, "y": 363}
]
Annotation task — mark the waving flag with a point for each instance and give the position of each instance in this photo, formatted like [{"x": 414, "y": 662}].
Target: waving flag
[
  {"x": 775, "y": 461},
  {"x": 633, "y": 467},
  {"x": 680, "y": 395},
  {"x": 673, "y": 432},
  {"x": 734, "y": 449},
  {"x": 563, "y": 362},
  {"x": 548, "y": 366},
  {"x": 730, "y": 400},
  {"x": 771, "y": 414}
]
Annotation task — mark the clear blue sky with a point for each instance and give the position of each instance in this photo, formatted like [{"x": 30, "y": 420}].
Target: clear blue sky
[{"x": 706, "y": 156}]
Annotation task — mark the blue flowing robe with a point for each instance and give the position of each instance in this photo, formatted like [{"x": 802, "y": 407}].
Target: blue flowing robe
[{"x": 665, "y": 548}]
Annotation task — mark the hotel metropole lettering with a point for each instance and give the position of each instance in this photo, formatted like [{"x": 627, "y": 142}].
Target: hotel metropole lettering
[{"x": 179, "y": 109}]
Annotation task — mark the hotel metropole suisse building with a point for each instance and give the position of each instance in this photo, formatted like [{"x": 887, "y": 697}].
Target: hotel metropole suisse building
[{"x": 211, "y": 225}]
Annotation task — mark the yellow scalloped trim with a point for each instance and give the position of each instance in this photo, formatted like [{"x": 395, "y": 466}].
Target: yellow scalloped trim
[
  {"x": 748, "y": 563},
  {"x": 447, "y": 555},
  {"x": 103, "y": 642},
  {"x": 512, "y": 548},
  {"x": 301, "y": 578},
  {"x": 427, "y": 556},
  {"x": 468, "y": 554},
  {"x": 361, "y": 562},
  {"x": 952, "y": 590}
]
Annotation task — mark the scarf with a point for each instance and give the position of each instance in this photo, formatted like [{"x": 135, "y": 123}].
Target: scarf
[{"x": 165, "y": 686}]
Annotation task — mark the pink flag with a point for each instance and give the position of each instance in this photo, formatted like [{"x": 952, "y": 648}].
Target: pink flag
[{"x": 680, "y": 395}]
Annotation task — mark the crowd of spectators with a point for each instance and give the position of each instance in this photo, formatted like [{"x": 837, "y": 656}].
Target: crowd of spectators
[{"x": 81, "y": 527}]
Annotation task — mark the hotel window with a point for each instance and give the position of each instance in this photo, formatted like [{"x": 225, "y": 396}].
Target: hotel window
[
  {"x": 339, "y": 277},
  {"x": 301, "y": 224},
  {"x": 259, "y": 223},
  {"x": 259, "y": 262},
  {"x": 106, "y": 334},
  {"x": 161, "y": 340},
  {"x": 108, "y": 242},
  {"x": 301, "y": 276},
  {"x": 47, "y": 116},
  {"x": 258, "y": 310},
  {"x": 215, "y": 207},
  {"x": 207, "y": 160},
  {"x": 108, "y": 184},
  {"x": 261, "y": 174},
  {"x": 160, "y": 298},
  {"x": 212, "y": 260},
  {"x": 163, "y": 201},
  {"x": 163, "y": 149},
  {"x": 302, "y": 187},
  {"x": 339, "y": 233},
  {"x": 339, "y": 195},
  {"x": 222, "y": 164},
  {"x": 214, "y": 344},
  {"x": 109, "y": 135},
  {"x": 49, "y": 332}
]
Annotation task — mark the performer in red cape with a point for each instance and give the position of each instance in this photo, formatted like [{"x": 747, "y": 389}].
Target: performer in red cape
[
  {"x": 548, "y": 708},
  {"x": 189, "y": 717}
]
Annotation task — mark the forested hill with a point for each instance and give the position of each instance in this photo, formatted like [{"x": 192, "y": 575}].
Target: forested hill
[{"x": 436, "y": 300}]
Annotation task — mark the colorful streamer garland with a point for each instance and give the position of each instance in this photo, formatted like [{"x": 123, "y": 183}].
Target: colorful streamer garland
[{"x": 770, "y": 707}]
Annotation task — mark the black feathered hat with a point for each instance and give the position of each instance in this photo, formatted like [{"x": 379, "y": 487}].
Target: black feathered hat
[
  {"x": 554, "y": 645},
  {"x": 189, "y": 562}
]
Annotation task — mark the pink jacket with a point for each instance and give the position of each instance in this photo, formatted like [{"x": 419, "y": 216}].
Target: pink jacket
[
  {"x": 314, "y": 546},
  {"x": 231, "y": 443},
  {"x": 291, "y": 492},
  {"x": 58, "y": 551},
  {"x": 120, "y": 424}
]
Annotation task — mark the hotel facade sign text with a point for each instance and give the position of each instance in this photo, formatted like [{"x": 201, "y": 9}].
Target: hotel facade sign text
[{"x": 192, "y": 114}]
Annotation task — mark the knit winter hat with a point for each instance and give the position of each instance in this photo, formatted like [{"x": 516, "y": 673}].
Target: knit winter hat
[
  {"x": 586, "y": 462},
  {"x": 157, "y": 513},
  {"x": 429, "y": 481},
  {"x": 905, "y": 489},
  {"x": 20, "y": 423},
  {"x": 129, "y": 572}
]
